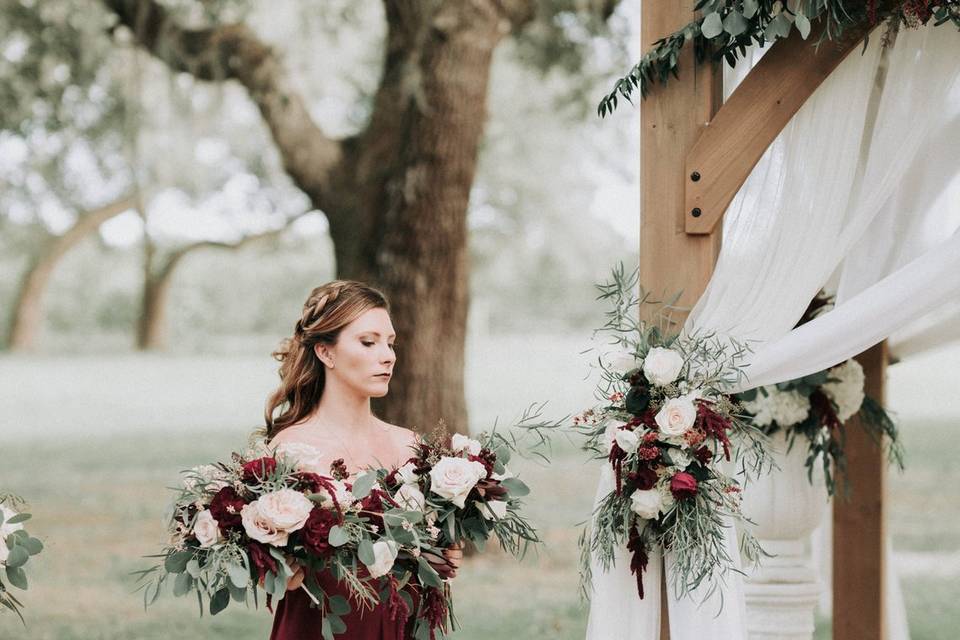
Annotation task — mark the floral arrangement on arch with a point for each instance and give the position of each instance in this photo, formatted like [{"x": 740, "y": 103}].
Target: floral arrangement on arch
[
  {"x": 816, "y": 408},
  {"x": 670, "y": 435},
  {"x": 17, "y": 546}
]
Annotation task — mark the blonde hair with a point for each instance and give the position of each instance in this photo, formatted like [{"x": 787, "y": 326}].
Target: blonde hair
[{"x": 328, "y": 309}]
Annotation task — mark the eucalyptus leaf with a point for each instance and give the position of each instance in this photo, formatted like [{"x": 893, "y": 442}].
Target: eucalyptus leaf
[
  {"x": 750, "y": 8},
  {"x": 803, "y": 25},
  {"x": 734, "y": 24},
  {"x": 427, "y": 574},
  {"x": 365, "y": 552},
  {"x": 181, "y": 586},
  {"x": 219, "y": 601},
  {"x": 238, "y": 575},
  {"x": 33, "y": 546},
  {"x": 17, "y": 557},
  {"x": 238, "y": 594},
  {"x": 17, "y": 577},
  {"x": 20, "y": 517},
  {"x": 337, "y": 625},
  {"x": 325, "y": 629},
  {"x": 364, "y": 484},
  {"x": 339, "y": 605},
  {"x": 516, "y": 487},
  {"x": 712, "y": 26},
  {"x": 177, "y": 562},
  {"x": 338, "y": 536}
]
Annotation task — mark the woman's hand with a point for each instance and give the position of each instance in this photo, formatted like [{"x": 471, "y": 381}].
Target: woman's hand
[
  {"x": 447, "y": 564},
  {"x": 296, "y": 580}
]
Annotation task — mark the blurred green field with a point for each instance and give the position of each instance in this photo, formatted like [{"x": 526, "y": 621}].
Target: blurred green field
[{"x": 98, "y": 496}]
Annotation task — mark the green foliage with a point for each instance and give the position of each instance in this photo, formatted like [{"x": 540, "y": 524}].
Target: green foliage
[{"x": 726, "y": 28}]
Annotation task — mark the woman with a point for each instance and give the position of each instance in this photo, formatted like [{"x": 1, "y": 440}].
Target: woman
[{"x": 341, "y": 355}]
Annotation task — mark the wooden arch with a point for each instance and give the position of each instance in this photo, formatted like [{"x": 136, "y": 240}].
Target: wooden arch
[{"x": 695, "y": 156}]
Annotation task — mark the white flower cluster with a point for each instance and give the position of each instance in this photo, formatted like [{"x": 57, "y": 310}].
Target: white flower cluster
[
  {"x": 847, "y": 392},
  {"x": 786, "y": 408}
]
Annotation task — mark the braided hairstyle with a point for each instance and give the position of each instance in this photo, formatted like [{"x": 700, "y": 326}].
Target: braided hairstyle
[{"x": 328, "y": 309}]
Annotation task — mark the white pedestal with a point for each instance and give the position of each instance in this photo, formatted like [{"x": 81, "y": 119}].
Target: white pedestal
[{"x": 785, "y": 507}]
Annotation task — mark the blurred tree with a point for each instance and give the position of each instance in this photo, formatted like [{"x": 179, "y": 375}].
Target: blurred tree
[
  {"x": 395, "y": 193},
  {"x": 61, "y": 174}
]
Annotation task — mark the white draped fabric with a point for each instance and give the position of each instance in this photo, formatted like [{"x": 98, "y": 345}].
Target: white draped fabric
[{"x": 862, "y": 151}]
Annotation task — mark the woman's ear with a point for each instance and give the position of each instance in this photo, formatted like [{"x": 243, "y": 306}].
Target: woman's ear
[{"x": 322, "y": 352}]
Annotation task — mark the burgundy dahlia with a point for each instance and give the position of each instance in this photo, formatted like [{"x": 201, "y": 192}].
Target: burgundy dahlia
[
  {"x": 256, "y": 470},
  {"x": 225, "y": 508},
  {"x": 316, "y": 531}
]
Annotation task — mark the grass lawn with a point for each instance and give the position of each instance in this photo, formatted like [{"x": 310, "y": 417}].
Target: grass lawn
[{"x": 97, "y": 494}]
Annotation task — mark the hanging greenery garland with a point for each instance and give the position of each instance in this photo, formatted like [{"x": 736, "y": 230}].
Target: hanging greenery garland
[{"x": 725, "y": 28}]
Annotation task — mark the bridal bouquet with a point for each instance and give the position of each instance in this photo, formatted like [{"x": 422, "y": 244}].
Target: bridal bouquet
[
  {"x": 16, "y": 548},
  {"x": 465, "y": 493},
  {"x": 666, "y": 429},
  {"x": 244, "y": 523},
  {"x": 816, "y": 408}
]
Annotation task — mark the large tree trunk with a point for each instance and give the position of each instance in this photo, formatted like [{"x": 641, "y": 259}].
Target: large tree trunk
[
  {"x": 415, "y": 171},
  {"x": 26, "y": 316},
  {"x": 152, "y": 327}
]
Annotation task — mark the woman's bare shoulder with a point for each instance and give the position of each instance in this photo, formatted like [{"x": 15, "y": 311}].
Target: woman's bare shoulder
[
  {"x": 401, "y": 435},
  {"x": 298, "y": 433}
]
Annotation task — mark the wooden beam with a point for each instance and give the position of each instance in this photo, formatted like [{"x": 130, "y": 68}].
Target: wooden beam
[
  {"x": 671, "y": 119},
  {"x": 859, "y": 523},
  {"x": 750, "y": 120}
]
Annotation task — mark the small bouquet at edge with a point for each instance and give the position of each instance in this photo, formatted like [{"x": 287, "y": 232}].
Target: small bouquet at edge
[
  {"x": 16, "y": 548},
  {"x": 244, "y": 524},
  {"x": 669, "y": 434}
]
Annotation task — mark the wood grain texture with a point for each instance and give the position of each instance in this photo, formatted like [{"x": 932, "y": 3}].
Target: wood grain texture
[
  {"x": 750, "y": 120},
  {"x": 859, "y": 523}
]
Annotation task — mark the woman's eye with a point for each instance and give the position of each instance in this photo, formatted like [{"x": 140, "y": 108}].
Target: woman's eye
[{"x": 366, "y": 344}]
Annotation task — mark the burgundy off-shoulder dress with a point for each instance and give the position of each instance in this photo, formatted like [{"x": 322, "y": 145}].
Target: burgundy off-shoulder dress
[{"x": 296, "y": 619}]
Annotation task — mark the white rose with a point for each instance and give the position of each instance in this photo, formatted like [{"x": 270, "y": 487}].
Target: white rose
[
  {"x": 306, "y": 458},
  {"x": 276, "y": 514},
  {"x": 662, "y": 366},
  {"x": 384, "y": 553},
  {"x": 676, "y": 416},
  {"x": 460, "y": 443},
  {"x": 494, "y": 510},
  {"x": 847, "y": 394},
  {"x": 410, "y": 497},
  {"x": 454, "y": 478},
  {"x": 407, "y": 473},
  {"x": 646, "y": 504},
  {"x": 206, "y": 529},
  {"x": 259, "y": 528},
  {"x": 627, "y": 440},
  {"x": 622, "y": 362}
]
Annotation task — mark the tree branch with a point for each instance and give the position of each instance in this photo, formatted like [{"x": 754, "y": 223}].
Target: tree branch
[
  {"x": 175, "y": 257},
  {"x": 234, "y": 52}
]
